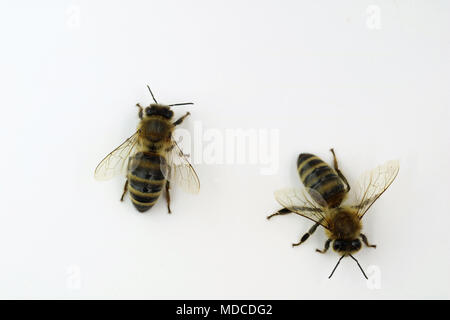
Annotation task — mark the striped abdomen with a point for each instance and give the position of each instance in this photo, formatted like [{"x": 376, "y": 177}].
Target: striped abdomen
[
  {"x": 319, "y": 176},
  {"x": 146, "y": 179}
]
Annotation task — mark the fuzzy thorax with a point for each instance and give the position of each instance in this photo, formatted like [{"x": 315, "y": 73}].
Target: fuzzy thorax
[{"x": 343, "y": 223}]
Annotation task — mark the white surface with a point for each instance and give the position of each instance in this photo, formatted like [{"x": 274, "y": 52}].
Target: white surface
[{"x": 319, "y": 73}]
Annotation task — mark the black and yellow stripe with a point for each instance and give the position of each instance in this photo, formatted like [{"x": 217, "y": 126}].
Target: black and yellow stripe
[
  {"x": 146, "y": 179},
  {"x": 319, "y": 176}
]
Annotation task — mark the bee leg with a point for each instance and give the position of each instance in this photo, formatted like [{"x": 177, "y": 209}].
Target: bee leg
[
  {"x": 125, "y": 189},
  {"x": 179, "y": 121},
  {"x": 280, "y": 213},
  {"x": 141, "y": 110},
  {"x": 327, "y": 245},
  {"x": 335, "y": 164},
  {"x": 306, "y": 235},
  {"x": 366, "y": 242},
  {"x": 168, "y": 196}
]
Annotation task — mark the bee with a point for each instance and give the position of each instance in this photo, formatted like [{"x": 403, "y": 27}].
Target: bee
[
  {"x": 324, "y": 201},
  {"x": 151, "y": 158}
]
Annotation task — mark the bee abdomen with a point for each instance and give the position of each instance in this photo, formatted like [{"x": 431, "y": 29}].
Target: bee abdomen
[
  {"x": 319, "y": 176},
  {"x": 146, "y": 179}
]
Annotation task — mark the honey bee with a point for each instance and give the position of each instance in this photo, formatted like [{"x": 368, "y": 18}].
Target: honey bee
[
  {"x": 151, "y": 158},
  {"x": 324, "y": 201}
]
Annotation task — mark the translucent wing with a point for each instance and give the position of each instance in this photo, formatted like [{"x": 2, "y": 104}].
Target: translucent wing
[
  {"x": 180, "y": 171},
  {"x": 301, "y": 202},
  {"x": 115, "y": 162},
  {"x": 372, "y": 185}
]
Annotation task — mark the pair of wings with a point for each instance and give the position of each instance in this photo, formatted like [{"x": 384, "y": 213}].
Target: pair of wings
[
  {"x": 370, "y": 187},
  {"x": 180, "y": 171}
]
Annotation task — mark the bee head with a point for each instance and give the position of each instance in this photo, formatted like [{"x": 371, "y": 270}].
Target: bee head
[
  {"x": 346, "y": 246},
  {"x": 159, "y": 110}
]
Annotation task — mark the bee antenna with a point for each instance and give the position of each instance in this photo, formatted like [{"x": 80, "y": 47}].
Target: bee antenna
[
  {"x": 359, "y": 266},
  {"x": 152, "y": 94},
  {"x": 180, "y": 104},
  {"x": 339, "y": 261}
]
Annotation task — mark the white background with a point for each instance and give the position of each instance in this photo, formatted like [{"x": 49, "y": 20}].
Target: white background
[{"x": 369, "y": 78}]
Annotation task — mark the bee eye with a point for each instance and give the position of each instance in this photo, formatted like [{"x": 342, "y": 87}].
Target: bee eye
[
  {"x": 148, "y": 111},
  {"x": 337, "y": 245},
  {"x": 356, "y": 244}
]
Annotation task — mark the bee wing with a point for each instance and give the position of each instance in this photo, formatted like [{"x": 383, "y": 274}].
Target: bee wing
[
  {"x": 180, "y": 171},
  {"x": 373, "y": 183},
  {"x": 114, "y": 162},
  {"x": 301, "y": 202}
]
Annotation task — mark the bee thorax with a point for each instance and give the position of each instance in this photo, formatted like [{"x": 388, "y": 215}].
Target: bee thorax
[{"x": 344, "y": 224}]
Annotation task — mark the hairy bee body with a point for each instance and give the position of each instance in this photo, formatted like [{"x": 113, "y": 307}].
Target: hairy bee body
[
  {"x": 146, "y": 170},
  {"x": 146, "y": 179},
  {"x": 155, "y": 132},
  {"x": 323, "y": 202},
  {"x": 320, "y": 177},
  {"x": 343, "y": 224},
  {"x": 152, "y": 158}
]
